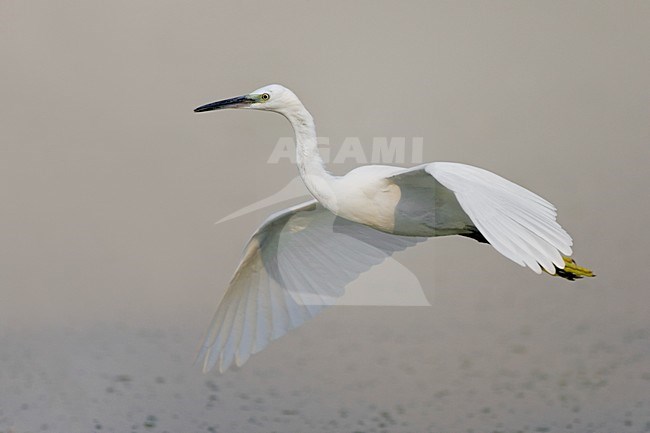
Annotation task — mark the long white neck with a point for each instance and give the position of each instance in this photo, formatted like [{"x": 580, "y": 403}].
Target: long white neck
[{"x": 310, "y": 164}]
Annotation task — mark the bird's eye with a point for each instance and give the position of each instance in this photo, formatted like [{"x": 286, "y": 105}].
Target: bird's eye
[{"x": 265, "y": 97}]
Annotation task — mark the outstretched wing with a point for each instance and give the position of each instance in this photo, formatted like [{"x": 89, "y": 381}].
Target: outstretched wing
[
  {"x": 297, "y": 262},
  {"x": 516, "y": 222}
]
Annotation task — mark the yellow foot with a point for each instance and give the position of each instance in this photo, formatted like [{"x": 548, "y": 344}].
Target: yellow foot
[{"x": 572, "y": 271}]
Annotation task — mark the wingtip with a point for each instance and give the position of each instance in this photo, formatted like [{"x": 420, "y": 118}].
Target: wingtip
[{"x": 206, "y": 365}]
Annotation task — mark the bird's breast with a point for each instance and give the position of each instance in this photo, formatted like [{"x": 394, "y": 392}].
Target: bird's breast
[{"x": 372, "y": 205}]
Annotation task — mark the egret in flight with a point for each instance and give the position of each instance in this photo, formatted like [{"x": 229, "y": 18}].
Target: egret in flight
[{"x": 300, "y": 259}]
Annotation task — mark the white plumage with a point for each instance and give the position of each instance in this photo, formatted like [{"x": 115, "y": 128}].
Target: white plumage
[
  {"x": 516, "y": 222},
  {"x": 301, "y": 259},
  {"x": 297, "y": 262}
]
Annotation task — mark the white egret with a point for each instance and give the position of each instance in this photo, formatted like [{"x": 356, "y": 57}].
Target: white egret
[{"x": 300, "y": 259}]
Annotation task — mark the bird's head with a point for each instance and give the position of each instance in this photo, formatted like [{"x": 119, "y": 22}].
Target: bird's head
[{"x": 273, "y": 97}]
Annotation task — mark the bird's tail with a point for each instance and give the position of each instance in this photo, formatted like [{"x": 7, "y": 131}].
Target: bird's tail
[{"x": 572, "y": 271}]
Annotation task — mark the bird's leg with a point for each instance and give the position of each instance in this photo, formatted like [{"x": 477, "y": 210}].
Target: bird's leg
[{"x": 572, "y": 271}]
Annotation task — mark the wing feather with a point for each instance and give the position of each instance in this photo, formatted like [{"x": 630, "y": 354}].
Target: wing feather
[
  {"x": 518, "y": 223},
  {"x": 298, "y": 262}
]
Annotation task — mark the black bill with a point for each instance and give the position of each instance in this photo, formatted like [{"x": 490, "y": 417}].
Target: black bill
[{"x": 238, "y": 102}]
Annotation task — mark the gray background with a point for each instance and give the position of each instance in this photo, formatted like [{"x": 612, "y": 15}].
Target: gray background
[{"x": 110, "y": 265}]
